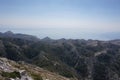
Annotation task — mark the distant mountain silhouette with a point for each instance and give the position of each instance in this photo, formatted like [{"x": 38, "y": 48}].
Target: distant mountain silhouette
[
  {"x": 10, "y": 34},
  {"x": 46, "y": 39}
]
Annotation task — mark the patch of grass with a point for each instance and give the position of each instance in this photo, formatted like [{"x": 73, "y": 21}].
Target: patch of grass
[
  {"x": 36, "y": 77},
  {"x": 14, "y": 74}
]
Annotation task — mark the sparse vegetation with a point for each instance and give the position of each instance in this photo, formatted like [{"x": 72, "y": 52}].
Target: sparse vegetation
[
  {"x": 67, "y": 74},
  {"x": 14, "y": 74},
  {"x": 36, "y": 76}
]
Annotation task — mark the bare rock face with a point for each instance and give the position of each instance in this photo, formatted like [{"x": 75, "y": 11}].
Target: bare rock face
[
  {"x": 9, "y": 72},
  {"x": 5, "y": 66}
]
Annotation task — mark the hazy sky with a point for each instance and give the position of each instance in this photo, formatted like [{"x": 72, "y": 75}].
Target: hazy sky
[{"x": 77, "y": 16}]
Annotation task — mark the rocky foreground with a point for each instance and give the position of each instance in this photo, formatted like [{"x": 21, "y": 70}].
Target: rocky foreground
[{"x": 11, "y": 70}]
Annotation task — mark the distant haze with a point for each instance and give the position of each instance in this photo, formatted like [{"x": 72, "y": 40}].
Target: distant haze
[{"x": 88, "y": 19}]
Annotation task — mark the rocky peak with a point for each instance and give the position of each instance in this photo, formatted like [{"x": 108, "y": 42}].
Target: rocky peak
[
  {"x": 9, "y": 32},
  {"x": 46, "y": 39}
]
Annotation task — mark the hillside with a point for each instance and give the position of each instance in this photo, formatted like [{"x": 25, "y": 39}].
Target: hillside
[
  {"x": 11, "y": 70},
  {"x": 79, "y": 58}
]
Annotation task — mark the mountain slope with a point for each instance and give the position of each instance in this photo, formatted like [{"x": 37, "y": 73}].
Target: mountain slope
[
  {"x": 81, "y": 59},
  {"x": 22, "y": 71}
]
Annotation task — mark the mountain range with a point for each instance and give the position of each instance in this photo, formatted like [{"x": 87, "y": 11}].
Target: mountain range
[
  {"x": 10, "y": 34},
  {"x": 75, "y": 59}
]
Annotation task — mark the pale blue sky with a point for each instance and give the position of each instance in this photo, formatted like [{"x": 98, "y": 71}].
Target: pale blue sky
[{"x": 88, "y": 17}]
